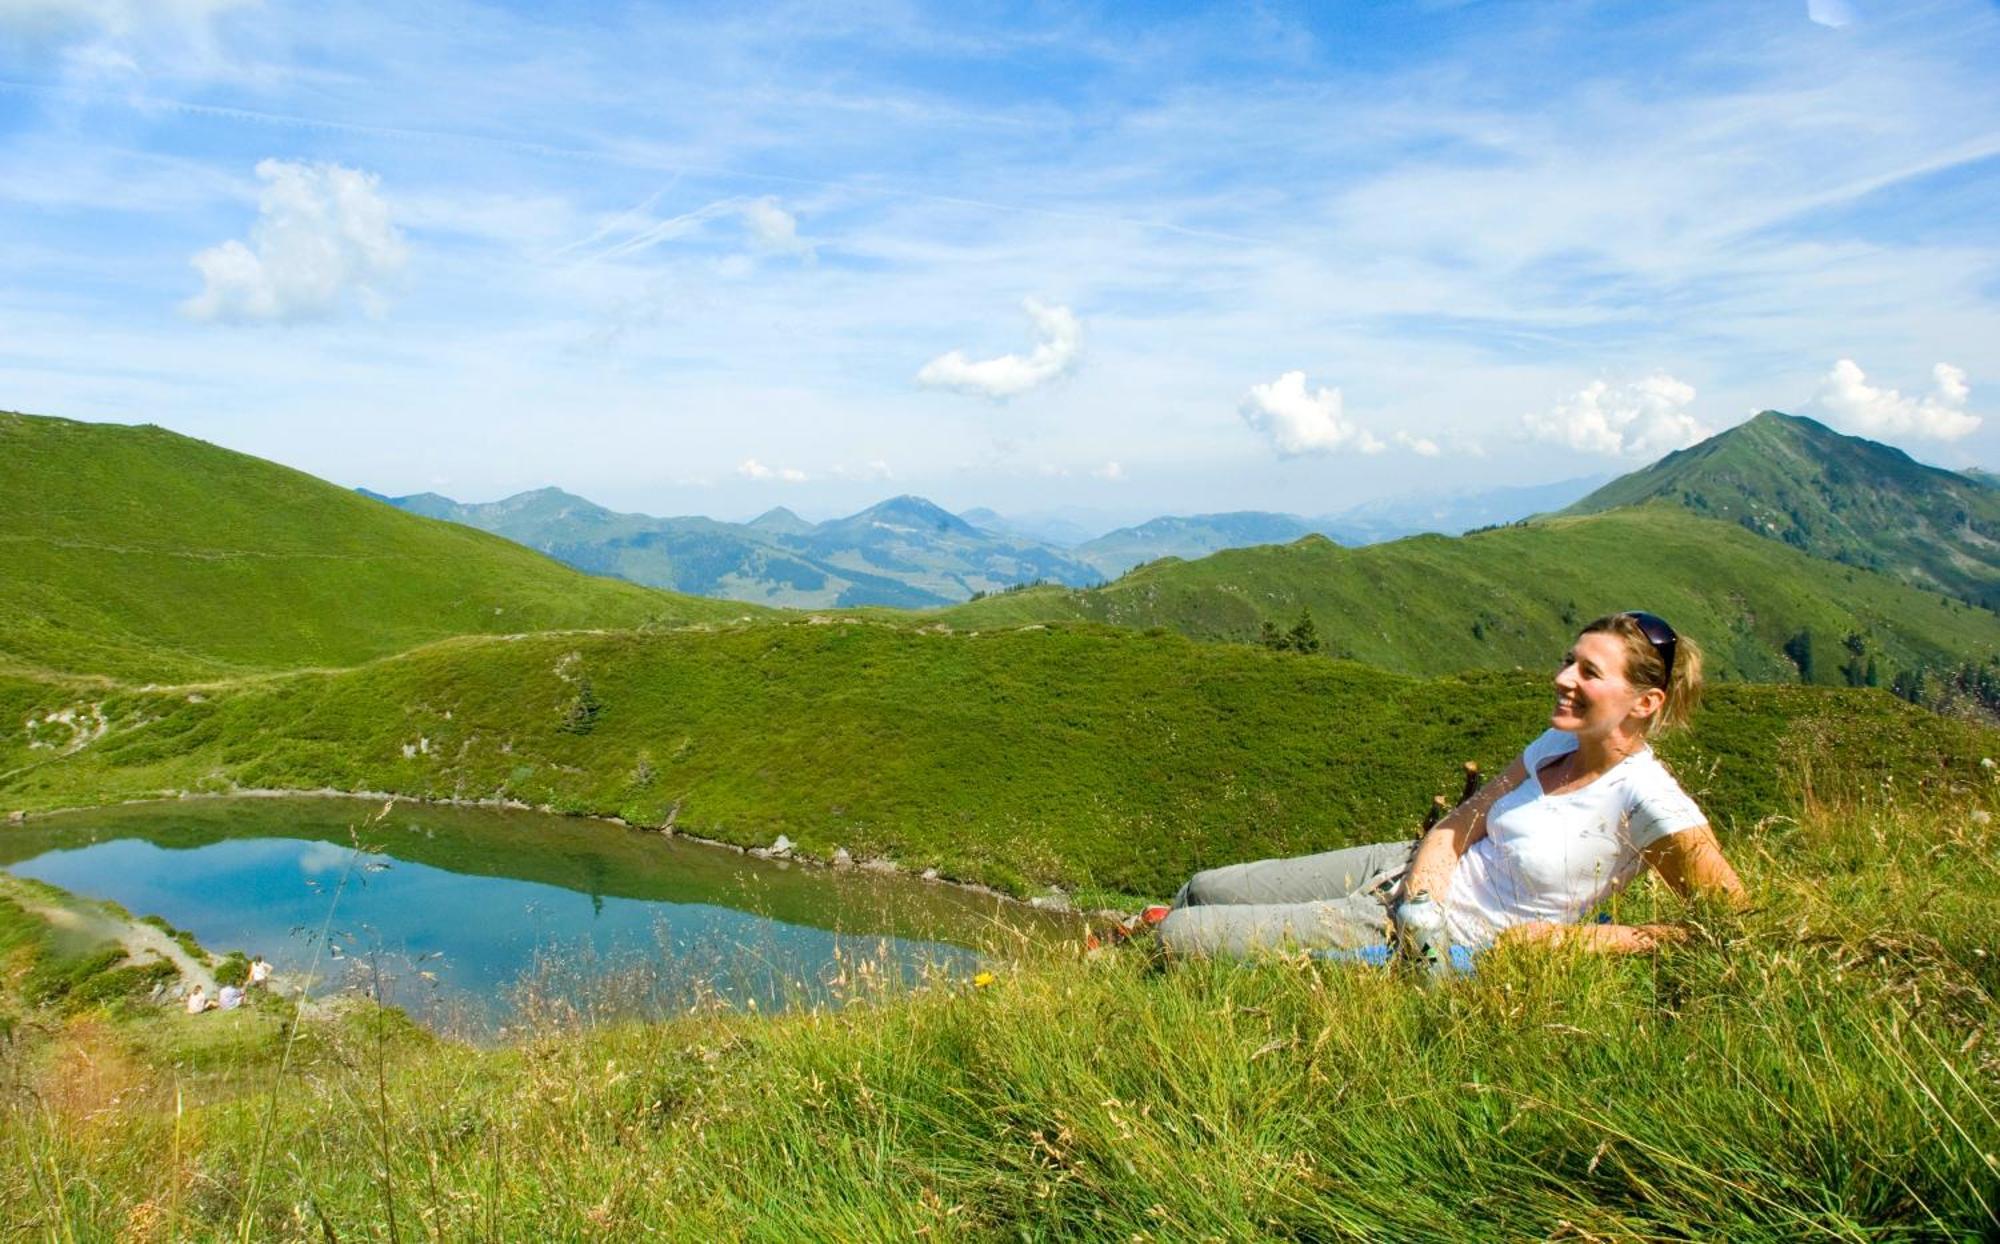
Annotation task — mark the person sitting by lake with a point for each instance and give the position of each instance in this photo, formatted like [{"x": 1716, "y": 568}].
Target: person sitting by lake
[
  {"x": 1570, "y": 823},
  {"x": 260, "y": 972},
  {"x": 229, "y": 998},
  {"x": 197, "y": 1000}
]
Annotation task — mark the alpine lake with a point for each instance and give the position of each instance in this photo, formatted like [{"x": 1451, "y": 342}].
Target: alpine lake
[{"x": 479, "y": 921}]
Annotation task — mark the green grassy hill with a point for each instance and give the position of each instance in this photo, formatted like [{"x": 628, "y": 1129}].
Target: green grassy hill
[
  {"x": 1083, "y": 756},
  {"x": 1839, "y": 497},
  {"x": 137, "y": 553},
  {"x": 1513, "y": 596}
]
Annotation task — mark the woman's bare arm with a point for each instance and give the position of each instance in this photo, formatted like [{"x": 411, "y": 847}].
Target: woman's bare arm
[
  {"x": 1691, "y": 862},
  {"x": 1437, "y": 855}
]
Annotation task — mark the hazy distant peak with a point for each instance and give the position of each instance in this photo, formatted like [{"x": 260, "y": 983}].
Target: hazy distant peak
[
  {"x": 549, "y": 493},
  {"x": 913, "y": 511},
  {"x": 781, "y": 521}
]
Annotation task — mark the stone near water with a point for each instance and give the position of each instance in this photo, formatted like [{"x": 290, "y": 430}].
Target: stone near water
[{"x": 841, "y": 858}]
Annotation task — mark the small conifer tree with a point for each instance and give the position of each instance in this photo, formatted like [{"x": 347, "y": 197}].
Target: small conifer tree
[
  {"x": 580, "y": 714},
  {"x": 1304, "y": 636}
]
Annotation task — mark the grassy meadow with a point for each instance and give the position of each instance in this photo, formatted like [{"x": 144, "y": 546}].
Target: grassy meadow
[
  {"x": 1823, "y": 1067},
  {"x": 1095, "y": 759}
]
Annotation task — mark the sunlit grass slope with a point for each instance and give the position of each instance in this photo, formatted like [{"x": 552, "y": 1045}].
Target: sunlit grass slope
[
  {"x": 1077, "y": 755},
  {"x": 140, "y": 554},
  {"x": 1824, "y": 1068},
  {"x": 1513, "y": 596}
]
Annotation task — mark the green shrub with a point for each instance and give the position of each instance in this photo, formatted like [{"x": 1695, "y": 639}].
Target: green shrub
[{"x": 234, "y": 969}]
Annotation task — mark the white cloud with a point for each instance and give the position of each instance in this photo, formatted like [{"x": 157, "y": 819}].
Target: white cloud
[
  {"x": 1110, "y": 471},
  {"x": 1834, "y": 13},
  {"x": 1298, "y": 422},
  {"x": 1422, "y": 446},
  {"x": 1847, "y": 398},
  {"x": 773, "y": 228},
  {"x": 1642, "y": 420},
  {"x": 322, "y": 232},
  {"x": 1059, "y": 339},
  {"x": 750, "y": 468}
]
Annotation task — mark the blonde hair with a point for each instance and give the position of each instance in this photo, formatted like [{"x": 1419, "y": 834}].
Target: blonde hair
[{"x": 1644, "y": 668}]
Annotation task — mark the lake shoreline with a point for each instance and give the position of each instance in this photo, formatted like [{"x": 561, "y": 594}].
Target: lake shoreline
[{"x": 1055, "y": 902}]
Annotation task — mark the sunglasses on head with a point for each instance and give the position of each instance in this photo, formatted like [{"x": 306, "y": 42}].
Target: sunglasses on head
[{"x": 1659, "y": 634}]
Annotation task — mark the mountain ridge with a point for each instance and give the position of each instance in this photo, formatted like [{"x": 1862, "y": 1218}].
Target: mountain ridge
[
  {"x": 1844, "y": 498},
  {"x": 779, "y": 558},
  {"x": 902, "y": 552}
]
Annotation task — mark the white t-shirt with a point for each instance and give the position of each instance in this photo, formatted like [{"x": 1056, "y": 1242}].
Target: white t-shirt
[{"x": 1556, "y": 857}]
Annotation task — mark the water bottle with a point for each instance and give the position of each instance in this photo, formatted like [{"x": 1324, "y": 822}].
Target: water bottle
[{"x": 1421, "y": 937}]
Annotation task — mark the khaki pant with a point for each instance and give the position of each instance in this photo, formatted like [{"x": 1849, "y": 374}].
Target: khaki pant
[{"x": 1336, "y": 899}]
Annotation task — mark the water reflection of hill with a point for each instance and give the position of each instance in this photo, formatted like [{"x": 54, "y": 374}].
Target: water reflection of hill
[{"x": 587, "y": 857}]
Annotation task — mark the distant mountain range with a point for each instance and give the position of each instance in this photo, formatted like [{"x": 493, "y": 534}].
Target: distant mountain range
[
  {"x": 1779, "y": 476},
  {"x": 1833, "y": 496},
  {"x": 909, "y": 553},
  {"x": 904, "y": 552}
]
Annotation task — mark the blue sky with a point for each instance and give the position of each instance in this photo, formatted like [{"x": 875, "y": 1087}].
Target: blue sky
[{"x": 1131, "y": 258}]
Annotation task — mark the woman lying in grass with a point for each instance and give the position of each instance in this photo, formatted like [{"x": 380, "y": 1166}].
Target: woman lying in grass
[{"x": 1530, "y": 856}]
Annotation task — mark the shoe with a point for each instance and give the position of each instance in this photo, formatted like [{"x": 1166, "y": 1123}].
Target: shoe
[{"x": 1124, "y": 929}]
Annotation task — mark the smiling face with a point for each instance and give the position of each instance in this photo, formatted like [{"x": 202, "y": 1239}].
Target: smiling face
[{"x": 1593, "y": 698}]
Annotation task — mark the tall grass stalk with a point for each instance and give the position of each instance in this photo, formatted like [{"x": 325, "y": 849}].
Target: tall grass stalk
[{"x": 268, "y": 1127}]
